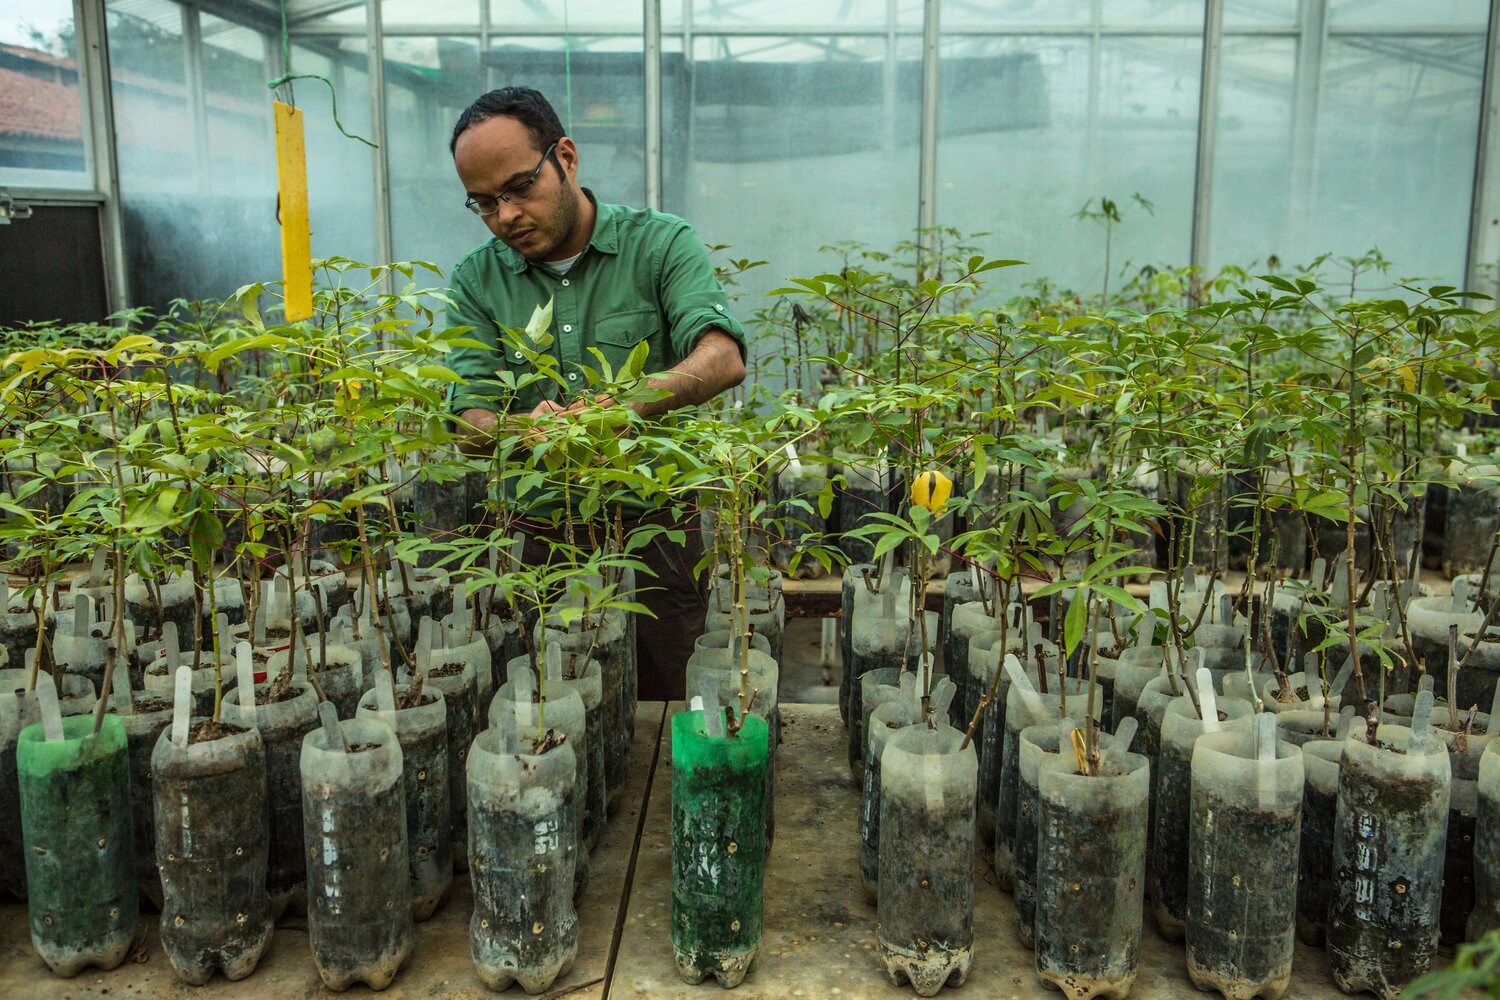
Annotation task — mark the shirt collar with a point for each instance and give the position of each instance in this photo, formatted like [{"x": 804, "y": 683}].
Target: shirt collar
[{"x": 605, "y": 238}]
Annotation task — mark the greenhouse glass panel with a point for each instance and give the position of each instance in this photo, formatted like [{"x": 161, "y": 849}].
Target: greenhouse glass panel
[
  {"x": 779, "y": 145},
  {"x": 557, "y": 15},
  {"x": 1260, "y": 13},
  {"x": 773, "y": 15},
  {"x": 428, "y": 81},
  {"x": 340, "y": 170},
  {"x": 398, "y": 14},
  {"x": 1031, "y": 133},
  {"x": 41, "y": 99}
]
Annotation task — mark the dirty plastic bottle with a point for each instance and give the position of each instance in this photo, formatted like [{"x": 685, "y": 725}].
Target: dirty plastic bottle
[
  {"x": 963, "y": 623},
  {"x": 282, "y": 725},
  {"x": 606, "y": 644},
  {"x": 460, "y": 689},
  {"x": 14, "y": 709},
  {"x": 1091, "y": 870},
  {"x": 765, "y": 680},
  {"x": 589, "y": 686},
  {"x": 1046, "y": 739},
  {"x": 925, "y": 923},
  {"x": 562, "y": 712},
  {"x": 338, "y": 669},
  {"x": 359, "y": 921},
  {"x": 1320, "y": 791},
  {"x": 853, "y": 579},
  {"x": 1168, "y": 865},
  {"x": 1388, "y": 853},
  {"x": 211, "y": 847},
  {"x": 423, "y": 733},
  {"x": 718, "y": 847},
  {"x": 1022, "y": 709},
  {"x": 142, "y": 729},
  {"x": 888, "y": 718},
  {"x": 876, "y": 687},
  {"x": 878, "y": 635},
  {"x": 80, "y": 866},
  {"x": 764, "y": 606},
  {"x": 522, "y": 847},
  {"x": 1486, "y": 915},
  {"x": 1244, "y": 832}
]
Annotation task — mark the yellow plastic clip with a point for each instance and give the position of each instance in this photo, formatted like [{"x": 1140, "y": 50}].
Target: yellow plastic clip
[{"x": 296, "y": 233}]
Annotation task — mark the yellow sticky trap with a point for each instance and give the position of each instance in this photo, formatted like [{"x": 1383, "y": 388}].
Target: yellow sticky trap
[{"x": 296, "y": 233}]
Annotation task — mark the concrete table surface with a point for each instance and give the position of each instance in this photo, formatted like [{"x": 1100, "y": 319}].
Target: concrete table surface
[
  {"x": 440, "y": 967},
  {"x": 819, "y": 933}
]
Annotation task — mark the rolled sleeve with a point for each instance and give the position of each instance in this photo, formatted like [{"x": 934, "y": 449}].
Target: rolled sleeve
[
  {"x": 693, "y": 300},
  {"x": 477, "y": 365}
]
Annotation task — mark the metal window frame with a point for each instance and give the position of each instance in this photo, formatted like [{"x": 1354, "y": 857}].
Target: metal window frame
[
  {"x": 89, "y": 25},
  {"x": 1484, "y": 219}
]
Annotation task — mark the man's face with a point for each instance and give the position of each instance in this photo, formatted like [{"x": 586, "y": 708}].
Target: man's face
[{"x": 497, "y": 156}]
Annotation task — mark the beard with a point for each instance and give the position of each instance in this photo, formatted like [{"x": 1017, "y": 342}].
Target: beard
[{"x": 557, "y": 226}]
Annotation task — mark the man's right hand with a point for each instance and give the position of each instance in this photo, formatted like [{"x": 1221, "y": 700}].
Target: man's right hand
[{"x": 477, "y": 428}]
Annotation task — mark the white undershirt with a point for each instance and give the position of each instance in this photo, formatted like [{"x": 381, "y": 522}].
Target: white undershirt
[{"x": 561, "y": 267}]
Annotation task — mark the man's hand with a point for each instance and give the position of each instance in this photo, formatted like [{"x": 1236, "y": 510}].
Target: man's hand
[
  {"x": 534, "y": 433},
  {"x": 476, "y": 431}
]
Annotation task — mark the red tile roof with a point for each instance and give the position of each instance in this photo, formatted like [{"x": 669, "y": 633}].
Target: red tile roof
[{"x": 31, "y": 106}]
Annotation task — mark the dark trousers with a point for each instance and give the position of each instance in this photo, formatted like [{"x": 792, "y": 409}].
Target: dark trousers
[{"x": 676, "y": 599}]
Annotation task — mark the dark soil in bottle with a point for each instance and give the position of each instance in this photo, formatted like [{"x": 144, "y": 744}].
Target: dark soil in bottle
[
  {"x": 524, "y": 927},
  {"x": 209, "y": 729},
  {"x": 858, "y": 721},
  {"x": 926, "y": 925},
  {"x": 212, "y": 846},
  {"x": 1168, "y": 870},
  {"x": 359, "y": 915},
  {"x": 286, "y": 875},
  {"x": 1028, "y": 815},
  {"x": 1089, "y": 863},
  {"x": 141, "y": 733},
  {"x": 1458, "y": 863},
  {"x": 462, "y": 697},
  {"x": 1242, "y": 914},
  {"x": 852, "y": 578},
  {"x": 1389, "y": 850},
  {"x": 1315, "y": 864}
]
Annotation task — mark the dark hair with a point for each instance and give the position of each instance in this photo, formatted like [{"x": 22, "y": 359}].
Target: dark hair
[{"x": 525, "y": 105}]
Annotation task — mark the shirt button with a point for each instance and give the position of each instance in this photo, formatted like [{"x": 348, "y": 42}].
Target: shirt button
[
  {"x": 567, "y": 328},
  {"x": 565, "y": 282},
  {"x": 520, "y": 356},
  {"x": 572, "y": 376},
  {"x": 718, "y": 307}
]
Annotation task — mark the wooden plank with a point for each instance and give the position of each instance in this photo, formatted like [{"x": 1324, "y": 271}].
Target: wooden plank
[
  {"x": 440, "y": 967},
  {"x": 819, "y": 938}
]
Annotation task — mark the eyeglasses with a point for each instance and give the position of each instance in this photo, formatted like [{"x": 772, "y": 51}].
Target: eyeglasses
[{"x": 513, "y": 195}]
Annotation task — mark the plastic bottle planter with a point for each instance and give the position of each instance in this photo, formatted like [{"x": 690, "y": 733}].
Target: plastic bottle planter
[
  {"x": 719, "y": 639},
  {"x": 142, "y": 728},
  {"x": 793, "y": 491},
  {"x": 1471, "y": 519},
  {"x": 423, "y": 733},
  {"x": 1243, "y": 835},
  {"x": 212, "y": 847},
  {"x": 1037, "y": 743},
  {"x": 161, "y": 602},
  {"x": 861, "y": 494},
  {"x": 564, "y": 713},
  {"x": 925, "y": 924},
  {"x": 718, "y": 848},
  {"x": 461, "y": 692},
  {"x": 1486, "y": 915},
  {"x": 961, "y": 623},
  {"x": 853, "y": 579},
  {"x": 1091, "y": 861},
  {"x": 764, "y": 678},
  {"x": 1168, "y": 866},
  {"x": 888, "y": 718},
  {"x": 1018, "y": 715},
  {"x": 159, "y": 681},
  {"x": 1388, "y": 847},
  {"x": 282, "y": 726},
  {"x": 593, "y": 803},
  {"x": 522, "y": 849},
  {"x": 875, "y": 688},
  {"x": 606, "y": 645},
  {"x": 339, "y": 671},
  {"x": 765, "y": 607},
  {"x": 1458, "y": 860},
  {"x": 1137, "y": 667},
  {"x": 877, "y": 636},
  {"x": 359, "y": 920},
  {"x": 1320, "y": 791},
  {"x": 75, "y": 822},
  {"x": 14, "y": 708}
]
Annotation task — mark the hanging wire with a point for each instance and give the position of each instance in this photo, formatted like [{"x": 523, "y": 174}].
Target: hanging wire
[{"x": 286, "y": 78}]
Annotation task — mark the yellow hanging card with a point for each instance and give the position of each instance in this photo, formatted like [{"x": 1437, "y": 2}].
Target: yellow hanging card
[{"x": 296, "y": 235}]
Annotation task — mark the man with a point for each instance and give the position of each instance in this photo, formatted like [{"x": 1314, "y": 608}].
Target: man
[{"x": 616, "y": 276}]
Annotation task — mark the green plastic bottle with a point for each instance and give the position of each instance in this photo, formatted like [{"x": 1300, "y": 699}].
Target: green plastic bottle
[
  {"x": 80, "y": 861},
  {"x": 718, "y": 848}
]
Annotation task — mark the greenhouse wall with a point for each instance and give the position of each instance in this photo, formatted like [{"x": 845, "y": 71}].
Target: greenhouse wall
[{"x": 1335, "y": 127}]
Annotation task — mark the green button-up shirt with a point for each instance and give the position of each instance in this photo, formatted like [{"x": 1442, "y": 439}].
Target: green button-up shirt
[{"x": 644, "y": 275}]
